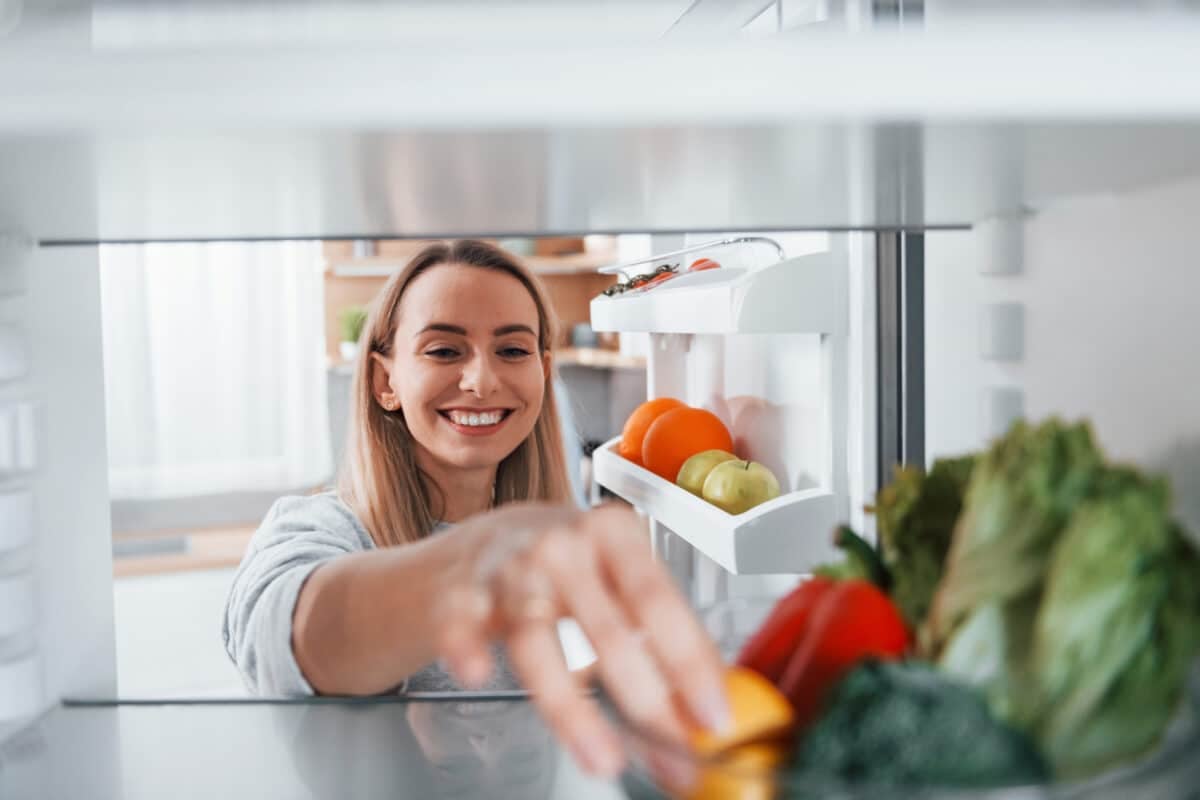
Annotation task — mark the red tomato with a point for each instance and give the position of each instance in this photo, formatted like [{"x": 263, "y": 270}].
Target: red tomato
[{"x": 703, "y": 264}]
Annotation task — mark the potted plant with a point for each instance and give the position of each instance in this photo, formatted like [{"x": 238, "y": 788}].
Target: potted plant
[{"x": 351, "y": 321}]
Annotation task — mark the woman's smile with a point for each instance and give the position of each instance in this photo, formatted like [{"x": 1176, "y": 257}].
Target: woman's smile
[{"x": 475, "y": 421}]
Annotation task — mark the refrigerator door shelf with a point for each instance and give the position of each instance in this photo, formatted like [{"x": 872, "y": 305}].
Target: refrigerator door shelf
[
  {"x": 798, "y": 295},
  {"x": 740, "y": 252},
  {"x": 788, "y": 535}
]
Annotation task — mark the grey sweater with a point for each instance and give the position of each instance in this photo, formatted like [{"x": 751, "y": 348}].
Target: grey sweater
[{"x": 297, "y": 535}]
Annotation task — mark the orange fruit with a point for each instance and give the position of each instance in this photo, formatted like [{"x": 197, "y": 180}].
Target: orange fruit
[
  {"x": 760, "y": 713},
  {"x": 747, "y": 772},
  {"x": 679, "y": 434},
  {"x": 639, "y": 421}
]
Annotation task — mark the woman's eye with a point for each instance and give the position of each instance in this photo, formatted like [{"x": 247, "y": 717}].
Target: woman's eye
[
  {"x": 442, "y": 352},
  {"x": 514, "y": 352}
]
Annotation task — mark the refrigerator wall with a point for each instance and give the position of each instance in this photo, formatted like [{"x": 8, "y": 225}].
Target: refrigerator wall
[
  {"x": 56, "y": 622},
  {"x": 1086, "y": 308}
]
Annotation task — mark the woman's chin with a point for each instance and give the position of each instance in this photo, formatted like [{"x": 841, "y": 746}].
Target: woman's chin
[
  {"x": 484, "y": 455},
  {"x": 474, "y": 462}
]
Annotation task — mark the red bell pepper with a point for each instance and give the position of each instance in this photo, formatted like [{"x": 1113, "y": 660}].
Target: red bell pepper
[
  {"x": 851, "y": 622},
  {"x": 767, "y": 652}
]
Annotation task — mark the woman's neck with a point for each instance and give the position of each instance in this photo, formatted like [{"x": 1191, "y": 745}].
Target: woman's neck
[{"x": 459, "y": 493}]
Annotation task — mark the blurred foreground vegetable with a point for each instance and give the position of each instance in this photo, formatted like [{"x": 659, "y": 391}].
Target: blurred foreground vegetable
[
  {"x": 861, "y": 562},
  {"x": 1021, "y": 493},
  {"x": 1117, "y": 629},
  {"x": 1069, "y": 598},
  {"x": 768, "y": 651},
  {"x": 897, "y": 725},
  {"x": 915, "y": 515},
  {"x": 853, "y": 621}
]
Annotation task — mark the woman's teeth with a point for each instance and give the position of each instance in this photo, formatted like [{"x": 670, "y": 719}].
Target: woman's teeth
[{"x": 487, "y": 418}]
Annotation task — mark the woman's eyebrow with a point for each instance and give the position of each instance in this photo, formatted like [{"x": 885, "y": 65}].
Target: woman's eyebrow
[
  {"x": 445, "y": 328},
  {"x": 504, "y": 330}
]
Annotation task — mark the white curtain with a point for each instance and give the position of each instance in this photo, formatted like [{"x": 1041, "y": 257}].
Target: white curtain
[{"x": 214, "y": 368}]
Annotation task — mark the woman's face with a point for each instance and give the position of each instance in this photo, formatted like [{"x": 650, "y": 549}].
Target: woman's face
[{"x": 465, "y": 365}]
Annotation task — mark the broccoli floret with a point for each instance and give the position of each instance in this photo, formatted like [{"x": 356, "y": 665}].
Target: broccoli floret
[{"x": 897, "y": 725}]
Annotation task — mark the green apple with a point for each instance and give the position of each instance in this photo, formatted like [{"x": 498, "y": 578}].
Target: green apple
[
  {"x": 696, "y": 469},
  {"x": 737, "y": 486}
]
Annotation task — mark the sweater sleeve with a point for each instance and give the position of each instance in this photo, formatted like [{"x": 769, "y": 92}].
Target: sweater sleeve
[{"x": 297, "y": 535}]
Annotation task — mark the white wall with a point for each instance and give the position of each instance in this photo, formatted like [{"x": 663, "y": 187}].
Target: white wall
[{"x": 1111, "y": 297}]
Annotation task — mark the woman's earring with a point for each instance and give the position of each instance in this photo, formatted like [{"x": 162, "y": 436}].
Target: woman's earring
[{"x": 390, "y": 404}]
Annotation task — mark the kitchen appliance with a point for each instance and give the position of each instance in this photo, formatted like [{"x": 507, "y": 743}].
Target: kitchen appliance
[{"x": 962, "y": 282}]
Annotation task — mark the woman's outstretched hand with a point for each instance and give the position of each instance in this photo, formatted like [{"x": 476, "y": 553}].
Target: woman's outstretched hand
[{"x": 535, "y": 564}]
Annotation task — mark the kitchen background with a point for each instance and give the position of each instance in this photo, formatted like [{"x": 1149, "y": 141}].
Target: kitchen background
[
  {"x": 228, "y": 369},
  {"x": 227, "y": 372}
]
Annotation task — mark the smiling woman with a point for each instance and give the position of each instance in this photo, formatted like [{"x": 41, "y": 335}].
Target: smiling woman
[
  {"x": 452, "y": 536},
  {"x": 444, "y": 346}
]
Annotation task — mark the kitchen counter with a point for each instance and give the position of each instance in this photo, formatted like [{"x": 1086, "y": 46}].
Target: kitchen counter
[{"x": 485, "y": 748}]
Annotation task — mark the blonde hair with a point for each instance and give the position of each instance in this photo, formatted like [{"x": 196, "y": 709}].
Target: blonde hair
[{"x": 380, "y": 478}]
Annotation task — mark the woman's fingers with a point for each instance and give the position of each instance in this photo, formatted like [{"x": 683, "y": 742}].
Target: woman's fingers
[
  {"x": 596, "y": 567},
  {"x": 463, "y": 615},
  {"x": 629, "y": 671},
  {"x": 684, "y": 651},
  {"x": 535, "y": 653}
]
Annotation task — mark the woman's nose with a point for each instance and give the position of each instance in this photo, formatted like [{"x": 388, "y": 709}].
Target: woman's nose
[{"x": 478, "y": 377}]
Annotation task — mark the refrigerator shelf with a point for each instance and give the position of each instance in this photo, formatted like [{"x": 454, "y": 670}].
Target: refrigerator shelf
[
  {"x": 792, "y": 296},
  {"x": 791, "y": 534},
  {"x": 739, "y": 251}
]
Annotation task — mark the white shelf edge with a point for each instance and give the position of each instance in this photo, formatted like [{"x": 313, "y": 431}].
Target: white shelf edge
[
  {"x": 797, "y": 295},
  {"x": 575, "y": 264},
  {"x": 1066, "y": 69},
  {"x": 788, "y": 535}
]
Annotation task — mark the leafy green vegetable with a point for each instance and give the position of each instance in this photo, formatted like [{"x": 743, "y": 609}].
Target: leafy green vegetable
[
  {"x": 905, "y": 724},
  {"x": 1117, "y": 628},
  {"x": 1070, "y": 598},
  {"x": 915, "y": 516},
  {"x": 1021, "y": 492}
]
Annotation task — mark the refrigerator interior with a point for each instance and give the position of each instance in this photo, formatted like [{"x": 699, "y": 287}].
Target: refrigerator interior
[{"x": 1053, "y": 206}]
